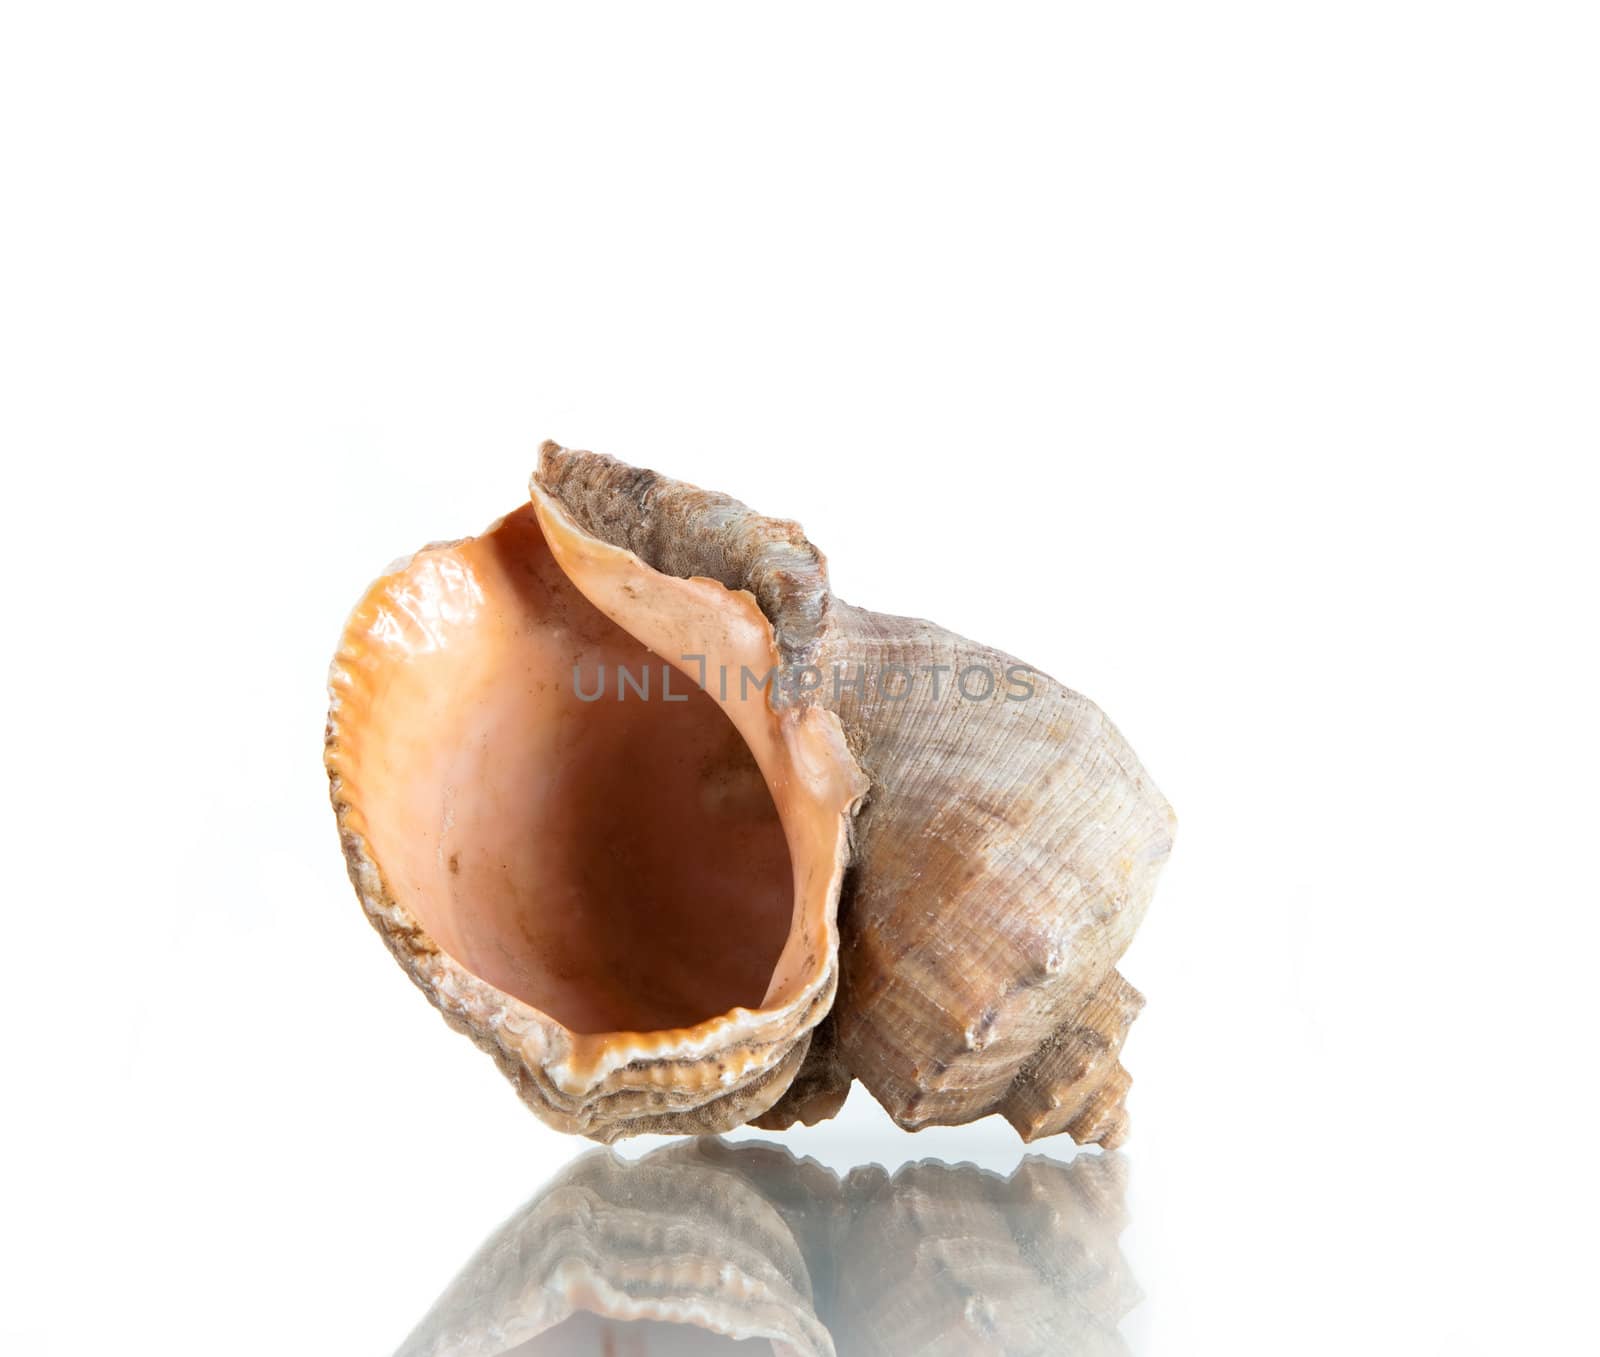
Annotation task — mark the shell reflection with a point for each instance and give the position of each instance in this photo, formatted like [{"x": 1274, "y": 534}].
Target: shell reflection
[{"x": 708, "y": 1247}]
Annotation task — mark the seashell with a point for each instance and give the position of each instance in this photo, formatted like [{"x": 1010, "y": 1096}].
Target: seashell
[
  {"x": 634, "y": 906},
  {"x": 1004, "y": 853},
  {"x": 705, "y": 1245}
]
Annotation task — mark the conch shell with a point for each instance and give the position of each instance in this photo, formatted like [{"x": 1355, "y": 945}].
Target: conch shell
[
  {"x": 705, "y": 1246},
  {"x": 634, "y": 904}
]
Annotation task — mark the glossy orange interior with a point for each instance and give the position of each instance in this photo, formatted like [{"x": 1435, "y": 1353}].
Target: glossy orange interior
[{"x": 617, "y": 863}]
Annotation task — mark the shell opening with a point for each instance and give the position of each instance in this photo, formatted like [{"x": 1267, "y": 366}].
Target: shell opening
[{"x": 562, "y": 812}]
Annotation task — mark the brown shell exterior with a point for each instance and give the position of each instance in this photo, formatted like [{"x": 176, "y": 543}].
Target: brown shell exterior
[{"x": 1001, "y": 862}]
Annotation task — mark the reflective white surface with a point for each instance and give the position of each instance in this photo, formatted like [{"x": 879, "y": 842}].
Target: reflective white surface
[
  {"x": 1233, "y": 363},
  {"x": 750, "y": 1243}
]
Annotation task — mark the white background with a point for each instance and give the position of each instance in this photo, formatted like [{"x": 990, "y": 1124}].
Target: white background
[{"x": 1235, "y": 363}]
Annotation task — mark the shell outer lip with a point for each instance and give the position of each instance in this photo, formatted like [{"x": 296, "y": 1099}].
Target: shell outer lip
[{"x": 602, "y": 1085}]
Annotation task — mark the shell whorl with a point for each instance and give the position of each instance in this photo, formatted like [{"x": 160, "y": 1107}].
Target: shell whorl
[{"x": 1007, "y": 854}]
